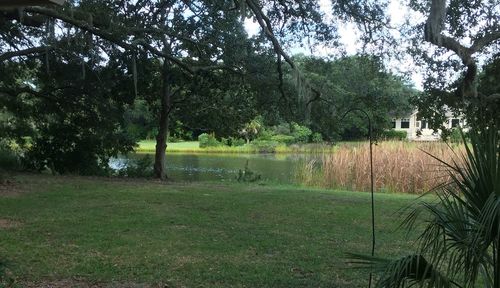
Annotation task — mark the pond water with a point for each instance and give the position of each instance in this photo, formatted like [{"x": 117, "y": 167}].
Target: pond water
[{"x": 279, "y": 168}]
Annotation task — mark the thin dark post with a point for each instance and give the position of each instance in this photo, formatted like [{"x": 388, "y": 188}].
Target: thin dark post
[{"x": 371, "y": 180}]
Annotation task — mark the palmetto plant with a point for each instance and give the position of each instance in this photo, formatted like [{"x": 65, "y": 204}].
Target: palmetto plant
[{"x": 460, "y": 242}]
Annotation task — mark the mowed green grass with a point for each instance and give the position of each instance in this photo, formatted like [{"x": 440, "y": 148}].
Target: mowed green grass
[
  {"x": 150, "y": 146},
  {"x": 191, "y": 235}
]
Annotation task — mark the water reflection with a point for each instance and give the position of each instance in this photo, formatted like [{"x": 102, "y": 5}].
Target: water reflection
[{"x": 279, "y": 168}]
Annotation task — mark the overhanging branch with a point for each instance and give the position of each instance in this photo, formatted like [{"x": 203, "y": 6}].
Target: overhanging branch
[
  {"x": 266, "y": 26},
  {"x": 434, "y": 27},
  {"x": 25, "y": 52}
]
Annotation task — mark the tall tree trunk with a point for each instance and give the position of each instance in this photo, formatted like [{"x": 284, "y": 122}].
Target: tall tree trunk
[{"x": 161, "y": 138}]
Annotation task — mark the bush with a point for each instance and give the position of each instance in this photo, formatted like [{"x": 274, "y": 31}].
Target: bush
[
  {"x": 234, "y": 141},
  {"x": 316, "y": 137},
  {"x": 265, "y": 135},
  {"x": 247, "y": 175},
  {"x": 142, "y": 167},
  {"x": 456, "y": 137},
  {"x": 264, "y": 146},
  {"x": 283, "y": 128},
  {"x": 302, "y": 134},
  {"x": 208, "y": 140},
  {"x": 285, "y": 139},
  {"x": 394, "y": 135},
  {"x": 9, "y": 161},
  {"x": 178, "y": 134}
]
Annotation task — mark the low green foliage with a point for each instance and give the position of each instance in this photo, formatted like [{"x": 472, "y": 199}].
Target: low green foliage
[
  {"x": 285, "y": 139},
  {"x": 316, "y": 137},
  {"x": 179, "y": 134},
  {"x": 233, "y": 141},
  {"x": 208, "y": 140},
  {"x": 9, "y": 160},
  {"x": 265, "y": 146},
  {"x": 455, "y": 136},
  {"x": 301, "y": 134},
  {"x": 289, "y": 134},
  {"x": 394, "y": 135},
  {"x": 247, "y": 175},
  {"x": 141, "y": 167},
  {"x": 6, "y": 278},
  {"x": 140, "y": 233}
]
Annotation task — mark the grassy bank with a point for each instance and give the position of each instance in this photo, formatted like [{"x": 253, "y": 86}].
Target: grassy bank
[
  {"x": 148, "y": 146},
  {"x": 82, "y": 231}
]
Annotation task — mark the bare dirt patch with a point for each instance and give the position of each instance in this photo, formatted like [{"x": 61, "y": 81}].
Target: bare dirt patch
[
  {"x": 10, "y": 188},
  {"x": 9, "y": 224}
]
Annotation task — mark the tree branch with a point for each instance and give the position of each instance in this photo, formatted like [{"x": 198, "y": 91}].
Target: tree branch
[
  {"x": 484, "y": 41},
  {"x": 434, "y": 27},
  {"x": 266, "y": 26},
  {"x": 35, "y": 50}
]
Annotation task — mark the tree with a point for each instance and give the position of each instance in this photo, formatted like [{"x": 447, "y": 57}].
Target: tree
[
  {"x": 360, "y": 82},
  {"x": 459, "y": 246},
  {"x": 252, "y": 129},
  {"x": 75, "y": 120},
  {"x": 188, "y": 38},
  {"x": 459, "y": 35}
]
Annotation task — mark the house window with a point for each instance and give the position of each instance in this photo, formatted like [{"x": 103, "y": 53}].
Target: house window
[
  {"x": 424, "y": 124},
  {"x": 455, "y": 123},
  {"x": 405, "y": 123},
  {"x": 393, "y": 124}
]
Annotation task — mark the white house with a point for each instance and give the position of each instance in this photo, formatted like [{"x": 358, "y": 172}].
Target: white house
[{"x": 418, "y": 129}]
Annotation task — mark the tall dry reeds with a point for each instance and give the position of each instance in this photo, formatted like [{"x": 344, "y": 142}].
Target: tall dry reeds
[{"x": 398, "y": 167}]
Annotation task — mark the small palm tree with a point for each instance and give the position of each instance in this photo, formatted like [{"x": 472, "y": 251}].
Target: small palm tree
[{"x": 460, "y": 244}]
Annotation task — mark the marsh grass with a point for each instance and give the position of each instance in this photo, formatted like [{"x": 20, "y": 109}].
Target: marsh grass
[{"x": 398, "y": 167}]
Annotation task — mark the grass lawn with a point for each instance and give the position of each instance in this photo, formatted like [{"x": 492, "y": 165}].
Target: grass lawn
[
  {"x": 121, "y": 233},
  {"x": 145, "y": 146},
  {"x": 149, "y": 146}
]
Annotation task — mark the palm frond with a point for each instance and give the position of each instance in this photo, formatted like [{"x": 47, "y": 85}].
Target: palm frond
[
  {"x": 407, "y": 271},
  {"x": 462, "y": 228}
]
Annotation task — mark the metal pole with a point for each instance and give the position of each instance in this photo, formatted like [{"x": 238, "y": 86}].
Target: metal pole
[{"x": 371, "y": 181}]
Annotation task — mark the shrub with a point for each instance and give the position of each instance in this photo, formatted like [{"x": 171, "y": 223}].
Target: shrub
[
  {"x": 285, "y": 139},
  {"x": 283, "y": 128},
  {"x": 265, "y": 135},
  {"x": 394, "y": 135},
  {"x": 142, "y": 167},
  {"x": 301, "y": 134},
  {"x": 247, "y": 175},
  {"x": 316, "y": 137},
  {"x": 234, "y": 141},
  {"x": 9, "y": 161},
  {"x": 225, "y": 141},
  {"x": 178, "y": 134},
  {"x": 208, "y": 140},
  {"x": 264, "y": 146},
  {"x": 455, "y": 136}
]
